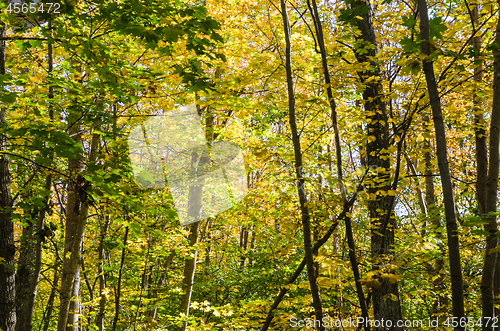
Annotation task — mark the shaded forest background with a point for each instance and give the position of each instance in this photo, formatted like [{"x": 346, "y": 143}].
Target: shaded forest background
[{"x": 370, "y": 132}]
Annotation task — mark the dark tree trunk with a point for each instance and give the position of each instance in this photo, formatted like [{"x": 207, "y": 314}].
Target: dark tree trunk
[
  {"x": 30, "y": 259},
  {"x": 448, "y": 196},
  {"x": 7, "y": 248},
  {"x": 441, "y": 302},
  {"x": 119, "y": 286},
  {"x": 306, "y": 221},
  {"x": 491, "y": 191},
  {"x": 338, "y": 151},
  {"x": 385, "y": 297}
]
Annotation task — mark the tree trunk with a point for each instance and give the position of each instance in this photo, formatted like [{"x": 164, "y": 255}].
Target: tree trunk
[
  {"x": 7, "y": 248},
  {"x": 74, "y": 306},
  {"x": 27, "y": 278},
  {"x": 76, "y": 217},
  {"x": 440, "y": 304},
  {"x": 486, "y": 185},
  {"x": 194, "y": 208},
  {"x": 47, "y": 314},
  {"x": 448, "y": 196},
  {"x": 306, "y": 221},
  {"x": 102, "y": 277},
  {"x": 119, "y": 286},
  {"x": 386, "y": 303},
  {"x": 491, "y": 189},
  {"x": 189, "y": 270},
  {"x": 338, "y": 151}
]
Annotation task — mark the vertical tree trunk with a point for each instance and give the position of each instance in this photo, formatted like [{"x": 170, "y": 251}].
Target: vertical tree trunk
[
  {"x": 492, "y": 184},
  {"x": 119, "y": 286},
  {"x": 448, "y": 196},
  {"x": 338, "y": 151},
  {"x": 194, "y": 208},
  {"x": 386, "y": 303},
  {"x": 102, "y": 276},
  {"x": 486, "y": 183},
  {"x": 27, "y": 278},
  {"x": 76, "y": 217},
  {"x": 480, "y": 131},
  {"x": 74, "y": 306},
  {"x": 306, "y": 221},
  {"x": 47, "y": 314},
  {"x": 441, "y": 302},
  {"x": 189, "y": 270},
  {"x": 7, "y": 248}
]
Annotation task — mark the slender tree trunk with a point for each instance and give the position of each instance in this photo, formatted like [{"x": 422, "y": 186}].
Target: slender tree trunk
[
  {"x": 480, "y": 131},
  {"x": 492, "y": 185},
  {"x": 194, "y": 208},
  {"x": 189, "y": 270},
  {"x": 47, "y": 315},
  {"x": 7, "y": 248},
  {"x": 243, "y": 245},
  {"x": 440, "y": 304},
  {"x": 306, "y": 221},
  {"x": 74, "y": 306},
  {"x": 448, "y": 196},
  {"x": 338, "y": 150},
  {"x": 27, "y": 278},
  {"x": 102, "y": 276},
  {"x": 119, "y": 286},
  {"x": 25, "y": 273},
  {"x": 485, "y": 184},
  {"x": 76, "y": 217},
  {"x": 385, "y": 298}
]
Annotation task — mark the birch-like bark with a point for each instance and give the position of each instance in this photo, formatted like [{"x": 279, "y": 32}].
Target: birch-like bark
[
  {"x": 76, "y": 218},
  {"x": 448, "y": 195},
  {"x": 102, "y": 276},
  {"x": 194, "y": 208}
]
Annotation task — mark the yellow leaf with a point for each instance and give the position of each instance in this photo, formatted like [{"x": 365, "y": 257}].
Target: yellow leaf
[
  {"x": 391, "y": 192},
  {"x": 36, "y": 79}
]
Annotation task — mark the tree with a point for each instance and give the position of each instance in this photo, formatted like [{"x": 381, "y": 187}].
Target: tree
[
  {"x": 448, "y": 196},
  {"x": 7, "y": 248},
  {"x": 385, "y": 297},
  {"x": 306, "y": 221}
]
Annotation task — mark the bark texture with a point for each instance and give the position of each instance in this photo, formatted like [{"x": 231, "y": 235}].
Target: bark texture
[
  {"x": 441, "y": 302},
  {"x": 448, "y": 195},
  {"x": 385, "y": 295},
  {"x": 30, "y": 257},
  {"x": 491, "y": 189},
  {"x": 76, "y": 217},
  {"x": 7, "y": 248}
]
